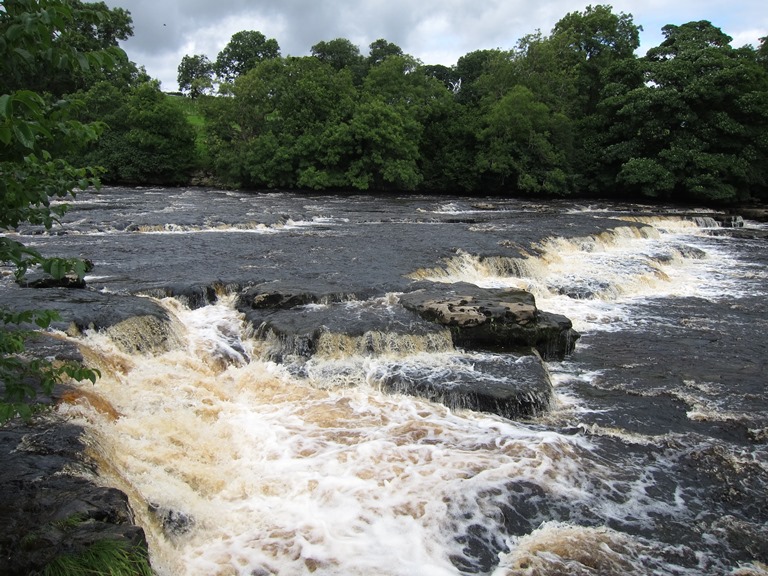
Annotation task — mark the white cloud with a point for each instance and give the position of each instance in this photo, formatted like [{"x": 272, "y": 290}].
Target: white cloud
[{"x": 435, "y": 31}]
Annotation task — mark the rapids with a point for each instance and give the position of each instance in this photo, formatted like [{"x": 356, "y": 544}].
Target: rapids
[{"x": 653, "y": 459}]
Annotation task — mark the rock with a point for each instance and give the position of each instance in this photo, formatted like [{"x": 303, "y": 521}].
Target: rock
[
  {"x": 730, "y": 220},
  {"x": 256, "y": 299},
  {"x": 295, "y": 329},
  {"x": 134, "y": 323},
  {"x": 332, "y": 330},
  {"x": 174, "y": 522},
  {"x": 279, "y": 296},
  {"x": 194, "y": 296},
  {"x": 513, "y": 386},
  {"x": 755, "y": 213},
  {"x": 43, "y": 280},
  {"x": 50, "y": 502},
  {"x": 37, "y": 278},
  {"x": 743, "y": 233},
  {"x": 493, "y": 319}
]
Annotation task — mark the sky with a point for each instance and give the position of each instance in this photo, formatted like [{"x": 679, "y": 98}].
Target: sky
[{"x": 434, "y": 31}]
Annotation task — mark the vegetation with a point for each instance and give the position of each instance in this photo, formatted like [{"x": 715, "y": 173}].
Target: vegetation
[
  {"x": 35, "y": 128},
  {"x": 576, "y": 112},
  {"x": 103, "y": 557}
]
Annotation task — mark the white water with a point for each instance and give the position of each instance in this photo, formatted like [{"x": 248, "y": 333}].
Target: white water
[
  {"x": 283, "y": 477},
  {"x": 612, "y": 271},
  {"x": 280, "y": 475}
]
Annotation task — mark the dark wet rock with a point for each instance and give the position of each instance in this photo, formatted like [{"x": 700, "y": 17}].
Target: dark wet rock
[
  {"x": 282, "y": 296},
  {"x": 743, "y": 233},
  {"x": 512, "y": 387},
  {"x": 369, "y": 328},
  {"x": 174, "y": 522},
  {"x": 756, "y": 213},
  {"x": 37, "y": 278},
  {"x": 257, "y": 298},
  {"x": 730, "y": 220},
  {"x": 194, "y": 296},
  {"x": 494, "y": 319},
  {"x": 53, "y": 347},
  {"x": 50, "y": 500},
  {"x": 134, "y": 323},
  {"x": 43, "y": 280}
]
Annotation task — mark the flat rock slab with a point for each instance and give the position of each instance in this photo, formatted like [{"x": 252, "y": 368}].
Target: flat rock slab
[
  {"x": 296, "y": 329},
  {"x": 338, "y": 329},
  {"x": 493, "y": 319},
  {"x": 134, "y": 323}
]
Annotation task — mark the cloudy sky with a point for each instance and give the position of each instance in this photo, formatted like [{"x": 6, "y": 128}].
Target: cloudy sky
[{"x": 434, "y": 31}]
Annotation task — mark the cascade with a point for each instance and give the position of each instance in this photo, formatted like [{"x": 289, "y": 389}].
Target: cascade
[{"x": 282, "y": 433}]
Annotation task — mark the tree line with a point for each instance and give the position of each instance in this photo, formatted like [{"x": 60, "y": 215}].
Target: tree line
[
  {"x": 575, "y": 112},
  {"x": 570, "y": 113}
]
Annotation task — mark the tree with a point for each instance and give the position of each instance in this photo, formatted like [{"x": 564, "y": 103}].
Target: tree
[
  {"x": 380, "y": 50},
  {"x": 594, "y": 40},
  {"x": 91, "y": 36},
  {"x": 146, "y": 140},
  {"x": 195, "y": 75},
  {"x": 31, "y": 176},
  {"x": 695, "y": 129},
  {"x": 244, "y": 50},
  {"x": 339, "y": 53},
  {"x": 381, "y": 147},
  {"x": 470, "y": 68},
  {"x": 524, "y": 146},
  {"x": 762, "y": 52},
  {"x": 276, "y": 130}
]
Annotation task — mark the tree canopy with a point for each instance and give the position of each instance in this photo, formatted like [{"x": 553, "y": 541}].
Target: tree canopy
[
  {"x": 573, "y": 112},
  {"x": 244, "y": 50}
]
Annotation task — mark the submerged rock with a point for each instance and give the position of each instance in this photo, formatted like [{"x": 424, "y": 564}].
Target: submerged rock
[
  {"x": 513, "y": 387},
  {"x": 494, "y": 319}
]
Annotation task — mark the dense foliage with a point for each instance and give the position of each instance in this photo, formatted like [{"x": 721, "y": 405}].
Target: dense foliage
[
  {"x": 575, "y": 112},
  {"x": 35, "y": 127},
  {"x": 146, "y": 138}
]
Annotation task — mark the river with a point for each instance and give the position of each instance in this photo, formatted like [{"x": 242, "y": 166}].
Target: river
[{"x": 653, "y": 459}]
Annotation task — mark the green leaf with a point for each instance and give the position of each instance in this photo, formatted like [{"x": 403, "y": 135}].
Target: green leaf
[
  {"x": 6, "y": 105},
  {"x": 5, "y": 135},
  {"x": 56, "y": 268},
  {"x": 83, "y": 61},
  {"x": 80, "y": 268},
  {"x": 24, "y": 134},
  {"x": 24, "y": 54}
]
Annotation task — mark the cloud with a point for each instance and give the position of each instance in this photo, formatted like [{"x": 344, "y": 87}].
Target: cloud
[{"x": 435, "y": 31}]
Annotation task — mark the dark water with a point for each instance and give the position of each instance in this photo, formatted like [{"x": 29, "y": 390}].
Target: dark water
[{"x": 654, "y": 460}]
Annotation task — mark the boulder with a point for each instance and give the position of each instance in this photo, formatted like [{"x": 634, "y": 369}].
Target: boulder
[
  {"x": 302, "y": 334},
  {"x": 504, "y": 319},
  {"x": 51, "y": 504}
]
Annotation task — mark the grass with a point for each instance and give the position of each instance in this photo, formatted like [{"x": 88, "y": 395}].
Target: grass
[
  {"x": 191, "y": 109},
  {"x": 103, "y": 558}
]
